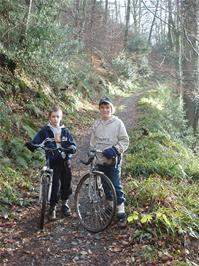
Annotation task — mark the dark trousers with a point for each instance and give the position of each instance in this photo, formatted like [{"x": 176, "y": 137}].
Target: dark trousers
[
  {"x": 62, "y": 177},
  {"x": 114, "y": 173}
]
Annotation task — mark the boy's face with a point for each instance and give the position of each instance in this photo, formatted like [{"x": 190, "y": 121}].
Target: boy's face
[
  {"x": 55, "y": 118},
  {"x": 105, "y": 111}
]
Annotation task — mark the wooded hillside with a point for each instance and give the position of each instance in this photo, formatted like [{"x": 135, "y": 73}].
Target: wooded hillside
[{"x": 71, "y": 53}]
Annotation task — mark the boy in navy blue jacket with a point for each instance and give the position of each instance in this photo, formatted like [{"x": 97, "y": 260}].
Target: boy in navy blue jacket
[{"x": 54, "y": 135}]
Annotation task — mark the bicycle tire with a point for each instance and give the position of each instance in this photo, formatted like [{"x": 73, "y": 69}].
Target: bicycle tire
[
  {"x": 92, "y": 208},
  {"x": 44, "y": 200}
]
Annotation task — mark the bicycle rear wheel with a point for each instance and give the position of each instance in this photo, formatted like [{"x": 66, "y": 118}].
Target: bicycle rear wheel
[
  {"x": 92, "y": 201},
  {"x": 44, "y": 200}
]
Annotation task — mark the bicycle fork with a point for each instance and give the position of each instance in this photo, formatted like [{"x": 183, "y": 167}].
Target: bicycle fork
[
  {"x": 93, "y": 189},
  {"x": 46, "y": 179}
]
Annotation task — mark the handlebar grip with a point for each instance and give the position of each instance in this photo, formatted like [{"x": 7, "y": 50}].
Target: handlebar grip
[{"x": 88, "y": 162}]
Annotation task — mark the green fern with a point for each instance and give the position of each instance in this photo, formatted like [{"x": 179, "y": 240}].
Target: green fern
[
  {"x": 34, "y": 110},
  {"x": 1, "y": 148},
  {"x": 29, "y": 130}
]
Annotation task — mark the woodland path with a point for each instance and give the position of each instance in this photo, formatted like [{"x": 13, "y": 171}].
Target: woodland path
[{"x": 65, "y": 242}]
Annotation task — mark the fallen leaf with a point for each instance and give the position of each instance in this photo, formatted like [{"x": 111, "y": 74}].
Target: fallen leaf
[{"x": 115, "y": 249}]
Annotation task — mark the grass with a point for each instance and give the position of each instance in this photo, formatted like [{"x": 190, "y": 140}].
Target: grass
[{"x": 162, "y": 170}]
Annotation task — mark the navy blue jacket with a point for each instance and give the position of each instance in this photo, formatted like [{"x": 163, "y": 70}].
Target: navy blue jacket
[{"x": 46, "y": 137}]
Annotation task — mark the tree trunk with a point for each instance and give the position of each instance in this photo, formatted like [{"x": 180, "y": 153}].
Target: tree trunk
[
  {"x": 135, "y": 13},
  {"x": 76, "y": 14},
  {"x": 153, "y": 22},
  {"x": 128, "y": 9},
  {"x": 106, "y": 12},
  {"x": 28, "y": 17},
  {"x": 91, "y": 29},
  {"x": 116, "y": 11},
  {"x": 170, "y": 23},
  {"x": 190, "y": 13},
  {"x": 139, "y": 17},
  {"x": 24, "y": 30},
  {"x": 179, "y": 45},
  {"x": 83, "y": 19}
]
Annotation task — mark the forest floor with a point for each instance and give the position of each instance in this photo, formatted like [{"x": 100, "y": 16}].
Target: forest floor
[{"x": 65, "y": 241}]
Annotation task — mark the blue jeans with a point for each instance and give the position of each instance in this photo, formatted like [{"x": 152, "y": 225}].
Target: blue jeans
[{"x": 114, "y": 174}]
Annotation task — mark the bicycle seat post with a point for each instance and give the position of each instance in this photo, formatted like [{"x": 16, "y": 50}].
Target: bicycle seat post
[{"x": 92, "y": 166}]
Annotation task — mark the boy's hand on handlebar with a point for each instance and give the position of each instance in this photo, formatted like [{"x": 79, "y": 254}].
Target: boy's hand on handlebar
[
  {"x": 71, "y": 149},
  {"x": 31, "y": 147},
  {"x": 110, "y": 153}
]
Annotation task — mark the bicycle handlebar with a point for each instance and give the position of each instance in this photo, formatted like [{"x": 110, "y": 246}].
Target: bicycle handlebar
[
  {"x": 92, "y": 155},
  {"x": 51, "y": 149},
  {"x": 90, "y": 159}
]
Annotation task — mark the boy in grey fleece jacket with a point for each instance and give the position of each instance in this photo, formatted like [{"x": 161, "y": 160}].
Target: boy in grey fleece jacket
[{"x": 110, "y": 136}]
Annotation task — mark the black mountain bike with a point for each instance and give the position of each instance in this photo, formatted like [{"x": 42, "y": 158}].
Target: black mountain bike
[
  {"x": 95, "y": 198},
  {"x": 46, "y": 177}
]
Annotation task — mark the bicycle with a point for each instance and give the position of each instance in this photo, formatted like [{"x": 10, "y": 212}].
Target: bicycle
[
  {"x": 95, "y": 198},
  {"x": 46, "y": 177}
]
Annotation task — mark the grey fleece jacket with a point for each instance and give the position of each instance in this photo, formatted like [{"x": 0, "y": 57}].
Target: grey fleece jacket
[{"x": 108, "y": 133}]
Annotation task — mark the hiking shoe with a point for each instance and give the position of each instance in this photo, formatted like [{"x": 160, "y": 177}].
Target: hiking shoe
[
  {"x": 121, "y": 209},
  {"x": 122, "y": 220},
  {"x": 65, "y": 209},
  {"x": 52, "y": 213}
]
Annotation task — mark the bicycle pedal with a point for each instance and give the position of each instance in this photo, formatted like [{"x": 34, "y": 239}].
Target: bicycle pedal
[{"x": 66, "y": 211}]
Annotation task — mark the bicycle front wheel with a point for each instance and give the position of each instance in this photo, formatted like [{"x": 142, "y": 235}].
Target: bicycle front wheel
[{"x": 95, "y": 201}]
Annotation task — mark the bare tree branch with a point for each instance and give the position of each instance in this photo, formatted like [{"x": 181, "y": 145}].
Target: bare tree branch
[
  {"x": 187, "y": 36},
  {"x": 28, "y": 17}
]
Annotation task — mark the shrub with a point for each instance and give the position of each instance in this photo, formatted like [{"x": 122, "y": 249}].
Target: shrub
[
  {"x": 18, "y": 153},
  {"x": 164, "y": 205},
  {"x": 162, "y": 194},
  {"x": 161, "y": 143},
  {"x": 5, "y": 121},
  {"x": 158, "y": 153},
  {"x": 124, "y": 67},
  {"x": 138, "y": 43}
]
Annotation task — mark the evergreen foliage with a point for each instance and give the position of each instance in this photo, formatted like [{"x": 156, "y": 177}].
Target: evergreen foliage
[
  {"x": 167, "y": 206},
  {"x": 166, "y": 146},
  {"x": 162, "y": 169},
  {"x": 138, "y": 44}
]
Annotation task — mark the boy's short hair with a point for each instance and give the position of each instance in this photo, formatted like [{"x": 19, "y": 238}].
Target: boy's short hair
[{"x": 53, "y": 109}]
